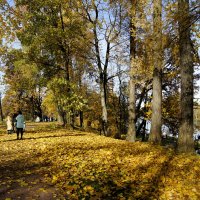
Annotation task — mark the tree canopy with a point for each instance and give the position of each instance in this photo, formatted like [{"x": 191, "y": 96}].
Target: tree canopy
[{"x": 114, "y": 66}]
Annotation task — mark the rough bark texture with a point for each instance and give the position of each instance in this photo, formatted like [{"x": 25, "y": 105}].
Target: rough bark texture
[
  {"x": 131, "y": 135},
  {"x": 185, "y": 139},
  {"x": 156, "y": 122}
]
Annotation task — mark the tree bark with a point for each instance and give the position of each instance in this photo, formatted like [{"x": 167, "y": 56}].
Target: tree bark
[
  {"x": 61, "y": 116},
  {"x": 185, "y": 139},
  {"x": 103, "y": 79},
  {"x": 131, "y": 135},
  {"x": 156, "y": 122},
  {"x": 1, "y": 110},
  {"x": 81, "y": 118},
  {"x": 103, "y": 105}
]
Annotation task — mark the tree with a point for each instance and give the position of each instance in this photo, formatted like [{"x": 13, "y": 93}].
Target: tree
[
  {"x": 106, "y": 26},
  {"x": 185, "y": 139},
  {"x": 4, "y": 19},
  {"x": 156, "y": 123},
  {"x": 140, "y": 63},
  {"x": 7, "y": 25},
  {"x": 25, "y": 82},
  {"x": 1, "y": 111},
  {"x": 66, "y": 102},
  {"x": 131, "y": 135},
  {"x": 56, "y": 36}
]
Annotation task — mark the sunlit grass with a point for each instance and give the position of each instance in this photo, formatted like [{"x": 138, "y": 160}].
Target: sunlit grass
[{"x": 63, "y": 164}]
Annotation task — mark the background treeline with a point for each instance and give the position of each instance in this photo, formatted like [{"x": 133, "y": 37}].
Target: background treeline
[{"x": 112, "y": 65}]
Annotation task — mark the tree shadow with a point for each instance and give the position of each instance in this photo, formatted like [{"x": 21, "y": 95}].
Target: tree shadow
[
  {"x": 22, "y": 178},
  {"x": 135, "y": 189},
  {"x": 43, "y": 137}
]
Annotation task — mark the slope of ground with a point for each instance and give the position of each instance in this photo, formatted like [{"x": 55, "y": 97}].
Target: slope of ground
[{"x": 53, "y": 163}]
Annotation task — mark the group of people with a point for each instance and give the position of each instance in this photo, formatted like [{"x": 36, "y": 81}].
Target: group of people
[{"x": 16, "y": 123}]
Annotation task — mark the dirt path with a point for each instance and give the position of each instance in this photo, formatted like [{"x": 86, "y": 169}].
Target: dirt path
[{"x": 23, "y": 169}]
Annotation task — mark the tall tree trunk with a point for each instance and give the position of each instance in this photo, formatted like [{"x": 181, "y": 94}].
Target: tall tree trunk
[
  {"x": 131, "y": 135},
  {"x": 81, "y": 118},
  {"x": 145, "y": 123},
  {"x": 103, "y": 82},
  {"x": 185, "y": 139},
  {"x": 119, "y": 121},
  {"x": 81, "y": 72},
  {"x": 103, "y": 105},
  {"x": 144, "y": 131},
  {"x": 156, "y": 121},
  {"x": 1, "y": 112},
  {"x": 65, "y": 48},
  {"x": 32, "y": 109},
  {"x": 72, "y": 116},
  {"x": 94, "y": 20}
]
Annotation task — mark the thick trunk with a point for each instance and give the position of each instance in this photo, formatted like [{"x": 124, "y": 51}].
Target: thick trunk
[
  {"x": 40, "y": 115},
  {"x": 185, "y": 139},
  {"x": 60, "y": 119},
  {"x": 64, "y": 119},
  {"x": 131, "y": 135},
  {"x": 156, "y": 122},
  {"x": 61, "y": 116}
]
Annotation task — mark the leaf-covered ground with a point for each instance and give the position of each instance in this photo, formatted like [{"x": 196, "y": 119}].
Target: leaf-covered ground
[{"x": 53, "y": 163}]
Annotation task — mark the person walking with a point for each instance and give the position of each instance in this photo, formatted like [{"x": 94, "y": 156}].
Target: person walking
[
  {"x": 9, "y": 124},
  {"x": 20, "y": 125}
]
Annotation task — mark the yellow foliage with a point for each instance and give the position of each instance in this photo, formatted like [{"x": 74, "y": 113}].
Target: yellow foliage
[{"x": 81, "y": 165}]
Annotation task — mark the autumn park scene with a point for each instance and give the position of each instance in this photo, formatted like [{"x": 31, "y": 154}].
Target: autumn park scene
[{"x": 99, "y": 100}]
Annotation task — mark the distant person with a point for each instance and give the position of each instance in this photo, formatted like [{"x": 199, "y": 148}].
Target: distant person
[
  {"x": 37, "y": 119},
  {"x": 20, "y": 124},
  {"x": 9, "y": 124}
]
